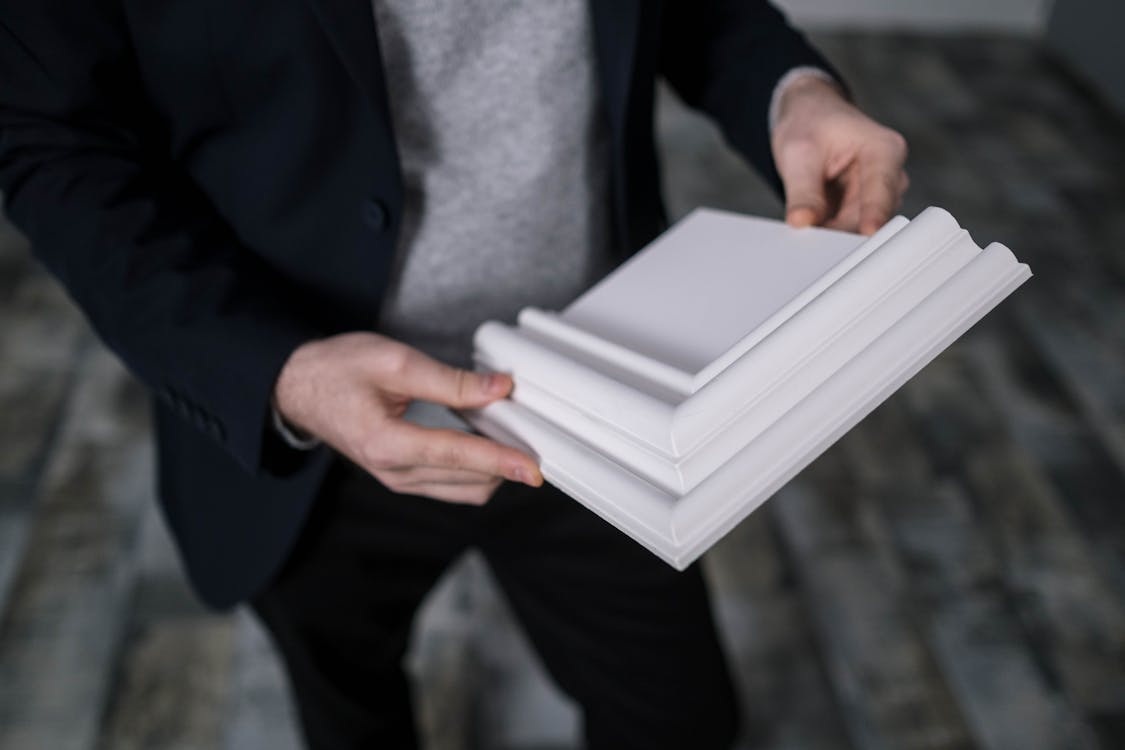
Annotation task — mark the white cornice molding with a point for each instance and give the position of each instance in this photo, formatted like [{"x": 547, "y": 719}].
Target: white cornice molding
[{"x": 676, "y": 471}]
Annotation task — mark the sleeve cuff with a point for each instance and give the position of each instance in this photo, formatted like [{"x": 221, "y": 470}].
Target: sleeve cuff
[
  {"x": 292, "y": 437},
  {"x": 789, "y": 79}
]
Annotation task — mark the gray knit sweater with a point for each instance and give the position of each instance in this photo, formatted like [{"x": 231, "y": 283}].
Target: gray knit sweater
[{"x": 503, "y": 149}]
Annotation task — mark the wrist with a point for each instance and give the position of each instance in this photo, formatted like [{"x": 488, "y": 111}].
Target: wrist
[
  {"x": 802, "y": 88},
  {"x": 293, "y": 436},
  {"x": 291, "y": 385}
]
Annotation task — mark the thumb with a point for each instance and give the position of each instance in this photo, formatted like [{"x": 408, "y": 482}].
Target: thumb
[
  {"x": 802, "y": 175},
  {"x": 420, "y": 376}
]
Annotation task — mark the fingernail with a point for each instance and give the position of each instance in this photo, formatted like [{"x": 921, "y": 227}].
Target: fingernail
[
  {"x": 497, "y": 383},
  {"x": 799, "y": 218},
  {"x": 533, "y": 479}
]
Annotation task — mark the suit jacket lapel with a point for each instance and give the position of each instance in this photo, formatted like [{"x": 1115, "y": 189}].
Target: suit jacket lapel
[
  {"x": 615, "y": 40},
  {"x": 350, "y": 25}
]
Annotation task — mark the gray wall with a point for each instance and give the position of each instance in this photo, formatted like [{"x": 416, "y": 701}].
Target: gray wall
[
  {"x": 1087, "y": 34},
  {"x": 1020, "y": 16}
]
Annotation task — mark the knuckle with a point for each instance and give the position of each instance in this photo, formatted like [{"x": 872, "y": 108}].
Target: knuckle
[
  {"x": 896, "y": 143},
  {"x": 430, "y": 453},
  {"x": 796, "y": 150},
  {"x": 376, "y": 455},
  {"x": 452, "y": 455},
  {"x": 462, "y": 385},
  {"x": 392, "y": 361}
]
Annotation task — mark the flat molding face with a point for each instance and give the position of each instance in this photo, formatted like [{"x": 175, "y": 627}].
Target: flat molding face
[
  {"x": 663, "y": 304},
  {"x": 676, "y": 468}
]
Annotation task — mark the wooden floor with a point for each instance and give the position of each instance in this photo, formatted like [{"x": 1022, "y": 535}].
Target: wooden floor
[{"x": 950, "y": 575}]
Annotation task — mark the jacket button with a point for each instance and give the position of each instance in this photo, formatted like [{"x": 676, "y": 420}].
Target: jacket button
[{"x": 375, "y": 213}]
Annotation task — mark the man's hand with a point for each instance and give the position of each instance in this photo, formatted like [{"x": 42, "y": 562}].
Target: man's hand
[
  {"x": 840, "y": 168},
  {"x": 351, "y": 391}
]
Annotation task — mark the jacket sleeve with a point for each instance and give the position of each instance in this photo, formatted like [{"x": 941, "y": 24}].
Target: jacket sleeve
[
  {"x": 724, "y": 57},
  {"x": 199, "y": 318}
]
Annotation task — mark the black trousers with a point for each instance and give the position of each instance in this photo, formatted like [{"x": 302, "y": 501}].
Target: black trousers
[{"x": 629, "y": 638}]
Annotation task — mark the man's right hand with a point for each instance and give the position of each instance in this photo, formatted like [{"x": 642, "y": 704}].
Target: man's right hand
[{"x": 351, "y": 391}]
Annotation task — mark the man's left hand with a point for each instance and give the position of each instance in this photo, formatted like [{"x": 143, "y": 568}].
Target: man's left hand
[{"x": 840, "y": 168}]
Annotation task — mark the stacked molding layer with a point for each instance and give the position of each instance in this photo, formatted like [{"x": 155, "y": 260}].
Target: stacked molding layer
[{"x": 676, "y": 444}]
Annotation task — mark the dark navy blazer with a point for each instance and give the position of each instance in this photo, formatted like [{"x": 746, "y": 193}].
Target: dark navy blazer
[{"x": 215, "y": 182}]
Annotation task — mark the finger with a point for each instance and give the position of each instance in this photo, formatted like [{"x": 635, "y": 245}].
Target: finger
[
  {"x": 412, "y": 445},
  {"x": 801, "y": 167},
  {"x": 460, "y": 494},
  {"x": 414, "y": 374},
  {"x": 846, "y": 216},
  {"x": 846, "y": 220},
  {"x": 883, "y": 180},
  {"x": 879, "y": 194},
  {"x": 418, "y": 475}
]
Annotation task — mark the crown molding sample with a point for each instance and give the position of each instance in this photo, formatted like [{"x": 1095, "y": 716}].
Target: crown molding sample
[{"x": 679, "y": 393}]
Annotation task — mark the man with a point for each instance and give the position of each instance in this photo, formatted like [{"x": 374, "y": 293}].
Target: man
[{"x": 270, "y": 209}]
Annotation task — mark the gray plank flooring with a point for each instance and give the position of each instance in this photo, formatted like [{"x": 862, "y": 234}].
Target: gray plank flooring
[{"x": 950, "y": 575}]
